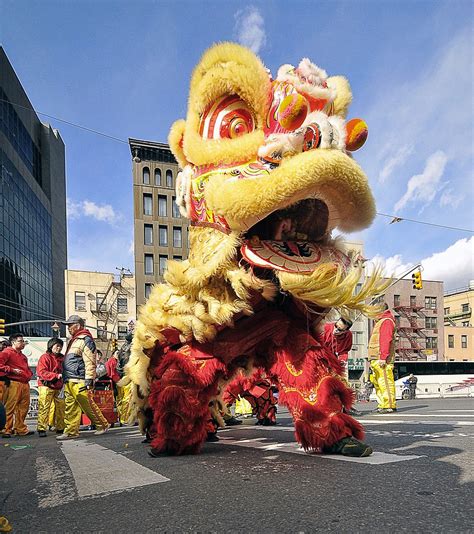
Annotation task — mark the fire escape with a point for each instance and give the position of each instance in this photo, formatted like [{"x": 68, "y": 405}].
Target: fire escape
[
  {"x": 107, "y": 309},
  {"x": 408, "y": 346}
]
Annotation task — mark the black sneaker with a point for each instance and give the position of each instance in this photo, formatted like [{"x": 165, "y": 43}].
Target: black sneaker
[
  {"x": 212, "y": 437},
  {"x": 59, "y": 432},
  {"x": 6, "y": 435},
  {"x": 349, "y": 447},
  {"x": 29, "y": 433},
  {"x": 42, "y": 433},
  {"x": 232, "y": 421},
  {"x": 353, "y": 412}
]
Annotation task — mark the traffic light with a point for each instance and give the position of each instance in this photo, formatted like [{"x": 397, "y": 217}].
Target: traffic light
[
  {"x": 114, "y": 345},
  {"x": 2, "y": 326},
  {"x": 417, "y": 281}
]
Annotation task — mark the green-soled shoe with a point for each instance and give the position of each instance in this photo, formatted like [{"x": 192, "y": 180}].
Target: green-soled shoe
[{"x": 349, "y": 447}]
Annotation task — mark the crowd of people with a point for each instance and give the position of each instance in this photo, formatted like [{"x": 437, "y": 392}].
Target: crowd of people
[
  {"x": 66, "y": 382},
  {"x": 67, "y": 378}
]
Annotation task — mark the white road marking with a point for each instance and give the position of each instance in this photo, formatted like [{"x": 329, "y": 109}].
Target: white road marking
[
  {"x": 380, "y": 421},
  {"x": 377, "y": 458},
  {"x": 97, "y": 470}
]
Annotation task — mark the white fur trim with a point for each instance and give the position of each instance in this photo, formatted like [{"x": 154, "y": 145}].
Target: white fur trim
[
  {"x": 183, "y": 190},
  {"x": 312, "y": 82}
]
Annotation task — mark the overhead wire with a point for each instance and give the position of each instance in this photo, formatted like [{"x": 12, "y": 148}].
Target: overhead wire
[{"x": 395, "y": 218}]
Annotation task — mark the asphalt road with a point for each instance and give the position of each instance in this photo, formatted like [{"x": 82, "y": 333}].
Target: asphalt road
[{"x": 253, "y": 480}]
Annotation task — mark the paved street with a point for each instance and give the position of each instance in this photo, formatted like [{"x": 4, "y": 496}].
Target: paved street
[{"x": 255, "y": 479}]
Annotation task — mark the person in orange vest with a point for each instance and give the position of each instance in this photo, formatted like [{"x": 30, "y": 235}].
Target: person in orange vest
[
  {"x": 381, "y": 358},
  {"x": 14, "y": 366},
  {"x": 50, "y": 383}
]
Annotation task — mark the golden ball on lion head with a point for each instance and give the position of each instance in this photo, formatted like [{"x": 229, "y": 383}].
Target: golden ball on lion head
[
  {"x": 292, "y": 111},
  {"x": 357, "y": 133}
]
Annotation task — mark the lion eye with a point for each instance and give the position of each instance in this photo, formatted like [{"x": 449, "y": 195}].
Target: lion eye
[{"x": 228, "y": 118}]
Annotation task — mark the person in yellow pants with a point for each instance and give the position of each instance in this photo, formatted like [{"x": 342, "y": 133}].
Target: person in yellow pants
[
  {"x": 381, "y": 357},
  {"x": 50, "y": 384},
  {"x": 79, "y": 372},
  {"x": 14, "y": 367}
]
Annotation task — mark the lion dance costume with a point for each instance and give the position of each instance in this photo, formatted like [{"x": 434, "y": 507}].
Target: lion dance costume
[{"x": 266, "y": 176}]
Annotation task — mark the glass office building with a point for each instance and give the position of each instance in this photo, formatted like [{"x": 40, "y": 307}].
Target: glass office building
[{"x": 33, "y": 239}]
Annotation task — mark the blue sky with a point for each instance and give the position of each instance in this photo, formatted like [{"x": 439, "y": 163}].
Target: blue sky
[{"x": 123, "y": 68}]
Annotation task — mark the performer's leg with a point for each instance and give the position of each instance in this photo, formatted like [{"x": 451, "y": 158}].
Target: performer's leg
[
  {"x": 10, "y": 401},
  {"x": 21, "y": 409},
  {"x": 72, "y": 410},
  {"x": 59, "y": 407},
  {"x": 316, "y": 395},
  {"x": 180, "y": 398},
  {"x": 377, "y": 382},
  {"x": 45, "y": 400}
]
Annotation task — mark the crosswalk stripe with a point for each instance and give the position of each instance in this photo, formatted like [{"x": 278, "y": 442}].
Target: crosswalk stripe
[
  {"x": 377, "y": 458},
  {"x": 98, "y": 470}
]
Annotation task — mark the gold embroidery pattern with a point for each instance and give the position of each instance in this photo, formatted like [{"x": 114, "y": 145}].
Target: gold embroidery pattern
[{"x": 292, "y": 370}]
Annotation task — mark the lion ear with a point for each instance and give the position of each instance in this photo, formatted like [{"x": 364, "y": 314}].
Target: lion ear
[
  {"x": 176, "y": 142},
  {"x": 343, "y": 99}
]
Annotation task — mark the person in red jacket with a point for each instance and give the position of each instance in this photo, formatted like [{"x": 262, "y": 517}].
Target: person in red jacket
[
  {"x": 50, "y": 383},
  {"x": 337, "y": 337},
  {"x": 14, "y": 366}
]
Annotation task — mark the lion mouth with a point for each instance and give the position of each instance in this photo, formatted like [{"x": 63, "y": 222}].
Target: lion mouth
[{"x": 306, "y": 220}]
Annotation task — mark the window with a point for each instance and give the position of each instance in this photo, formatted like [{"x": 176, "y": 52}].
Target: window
[
  {"x": 100, "y": 303},
  {"x": 101, "y": 331},
  {"x": 446, "y": 311},
  {"x": 146, "y": 175},
  {"x": 163, "y": 236},
  {"x": 147, "y": 290},
  {"x": 177, "y": 258},
  {"x": 412, "y": 301},
  {"x": 162, "y": 265},
  {"x": 147, "y": 204},
  {"x": 169, "y": 178},
  {"x": 157, "y": 177},
  {"x": 79, "y": 300},
  {"x": 148, "y": 263},
  {"x": 396, "y": 300},
  {"x": 430, "y": 322},
  {"x": 122, "y": 304},
  {"x": 430, "y": 303},
  {"x": 162, "y": 206},
  {"x": 431, "y": 342},
  {"x": 177, "y": 237},
  {"x": 464, "y": 342},
  {"x": 148, "y": 235},
  {"x": 175, "y": 209},
  {"x": 464, "y": 308},
  {"x": 397, "y": 320},
  {"x": 122, "y": 329},
  {"x": 358, "y": 338},
  {"x": 465, "y": 323},
  {"x": 451, "y": 341}
]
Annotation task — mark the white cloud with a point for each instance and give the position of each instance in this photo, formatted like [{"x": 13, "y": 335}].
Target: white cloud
[
  {"x": 423, "y": 187},
  {"x": 250, "y": 28},
  {"x": 392, "y": 266},
  {"x": 131, "y": 248},
  {"x": 395, "y": 161},
  {"x": 448, "y": 199},
  {"x": 86, "y": 208},
  {"x": 454, "y": 266}
]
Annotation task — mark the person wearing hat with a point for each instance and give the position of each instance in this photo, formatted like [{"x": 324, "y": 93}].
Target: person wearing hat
[
  {"x": 14, "y": 366},
  {"x": 79, "y": 372}
]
